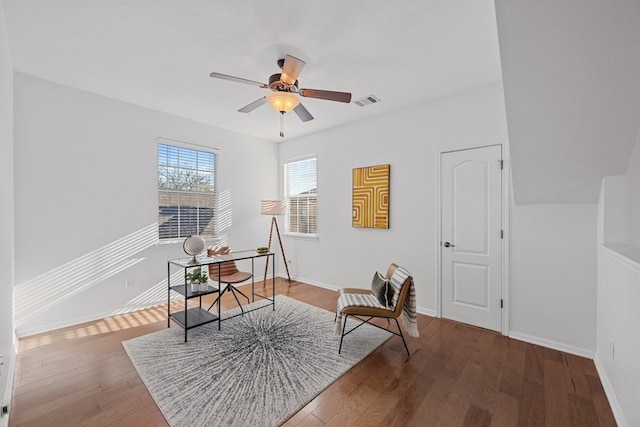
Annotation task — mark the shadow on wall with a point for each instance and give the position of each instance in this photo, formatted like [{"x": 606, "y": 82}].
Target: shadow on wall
[{"x": 49, "y": 289}]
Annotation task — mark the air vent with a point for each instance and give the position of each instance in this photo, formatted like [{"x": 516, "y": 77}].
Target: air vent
[{"x": 367, "y": 100}]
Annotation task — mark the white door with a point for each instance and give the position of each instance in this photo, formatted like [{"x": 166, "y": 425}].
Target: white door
[{"x": 471, "y": 236}]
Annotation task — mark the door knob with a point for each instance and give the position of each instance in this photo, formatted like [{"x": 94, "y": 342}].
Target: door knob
[{"x": 447, "y": 245}]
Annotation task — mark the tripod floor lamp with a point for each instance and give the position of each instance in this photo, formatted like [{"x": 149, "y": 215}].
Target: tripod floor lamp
[{"x": 273, "y": 208}]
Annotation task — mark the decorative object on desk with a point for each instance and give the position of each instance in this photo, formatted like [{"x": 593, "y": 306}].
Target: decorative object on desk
[
  {"x": 197, "y": 278},
  {"x": 273, "y": 208},
  {"x": 293, "y": 347},
  {"x": 370, "y": 205},
  {"x": 194, "y": 245},
  {"x": 262, "y": 250}
]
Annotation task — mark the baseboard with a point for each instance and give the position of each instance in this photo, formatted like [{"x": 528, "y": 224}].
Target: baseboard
[
  {"x": 8, "y": 391},
  {"x": 420, "y": 310},
  {"x": 610, "y": 392},
  {"x": 25, "y": 332},
  {"x": 578, "y": 351}
]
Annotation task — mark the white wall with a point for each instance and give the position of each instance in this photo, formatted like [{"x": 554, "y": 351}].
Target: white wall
[
  {"x": 410, "y": 141},
  {"x": 618, "y": 324},
  {"x": 550, "y": 282},
  {"x": 632, "y": 198},
  {"x": 619, "y": 293},
  {"x": 7, "y": 335},
  {"x": 86, "y": 201},
  {"x": 553, "y": 276}
]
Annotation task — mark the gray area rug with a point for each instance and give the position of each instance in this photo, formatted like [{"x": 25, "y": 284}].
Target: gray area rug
[{"x": 258, "y": 370}]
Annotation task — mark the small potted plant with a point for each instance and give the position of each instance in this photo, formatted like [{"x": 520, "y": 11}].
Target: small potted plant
[
  {"x": 262, "y": 250},
  {"x": 198, "y": 280}
]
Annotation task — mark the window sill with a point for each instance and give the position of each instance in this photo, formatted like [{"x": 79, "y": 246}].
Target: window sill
[
  {"x": 301, "y": 236},
  {"x": 211, "y": 240}
]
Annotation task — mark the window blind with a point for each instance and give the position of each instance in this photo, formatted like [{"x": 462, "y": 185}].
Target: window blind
[
  {"x": 186, "y": 191},
  {"x": 301, "y": 191}
]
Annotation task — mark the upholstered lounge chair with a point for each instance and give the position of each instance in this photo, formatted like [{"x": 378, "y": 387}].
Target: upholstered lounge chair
[
  {"x": 365, "y": 306},
  {"x": 229, "y": 275}
]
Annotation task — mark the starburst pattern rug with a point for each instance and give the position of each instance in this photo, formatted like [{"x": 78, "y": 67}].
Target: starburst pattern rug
[{"x": 258, "y": 370}]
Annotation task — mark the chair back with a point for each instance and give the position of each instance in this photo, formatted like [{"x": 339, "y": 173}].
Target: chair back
[
  {"x": 400, "y": 283},
  {"x": 226, "y": 268}
]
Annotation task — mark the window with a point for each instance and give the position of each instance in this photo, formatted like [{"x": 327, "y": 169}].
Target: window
[
  {"x": 186, "y": 191},
  {"x": 301, "y": 192}
]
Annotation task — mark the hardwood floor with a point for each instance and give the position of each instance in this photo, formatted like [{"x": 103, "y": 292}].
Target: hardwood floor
[{"x": 457, "y": 375}]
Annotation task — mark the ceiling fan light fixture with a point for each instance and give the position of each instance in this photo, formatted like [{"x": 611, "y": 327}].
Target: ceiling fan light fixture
[{"x": 283, "y": 102}]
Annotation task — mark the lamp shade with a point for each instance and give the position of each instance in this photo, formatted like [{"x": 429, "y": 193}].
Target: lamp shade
[
  {"x": 273, "y": 207},
  {"x": 283, "y": 101}
]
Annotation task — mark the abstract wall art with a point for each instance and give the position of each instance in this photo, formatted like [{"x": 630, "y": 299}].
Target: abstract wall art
[{"x": 370, "y": 208}]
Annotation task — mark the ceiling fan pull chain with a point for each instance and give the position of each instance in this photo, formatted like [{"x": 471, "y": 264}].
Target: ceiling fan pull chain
[{"x": 281, "y": 124}]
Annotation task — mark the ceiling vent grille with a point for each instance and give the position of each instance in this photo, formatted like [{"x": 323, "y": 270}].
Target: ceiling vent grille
[{"x": 367, "y": 100}]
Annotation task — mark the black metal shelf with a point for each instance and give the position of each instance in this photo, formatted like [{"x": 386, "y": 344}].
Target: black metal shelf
[
  {"x": 196, "y": 316},
  {"x": 192, "y": 317},
  {"x": 185, "y": 291}
]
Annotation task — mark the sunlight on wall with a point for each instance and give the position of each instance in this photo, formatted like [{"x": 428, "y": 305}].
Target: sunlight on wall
[
  {"x": 224, "y": 211},
  {"x": 153, "y": 295},
  {"x": 49, "y": 289}
]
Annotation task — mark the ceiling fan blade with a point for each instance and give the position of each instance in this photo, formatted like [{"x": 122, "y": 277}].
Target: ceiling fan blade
[
  {"x": 237, "y": 79},
  {"x": 255, "y": 104},
  {"x": 291, "y": 69},
  {"x": 326, "y": 94},
  {"x": 303, "y": 113}
]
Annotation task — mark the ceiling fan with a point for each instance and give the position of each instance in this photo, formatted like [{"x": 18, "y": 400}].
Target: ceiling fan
[{"x": 284, "y": 91}]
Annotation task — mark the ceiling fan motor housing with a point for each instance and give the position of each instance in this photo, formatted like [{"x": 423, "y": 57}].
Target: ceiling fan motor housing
[{"x": 276, "y": 84}]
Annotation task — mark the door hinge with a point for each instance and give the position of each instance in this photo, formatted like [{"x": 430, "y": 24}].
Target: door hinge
[
  {"x": 501, "y": 164},
  {"x": 501, "y": 303},
  {"x": 502, "y": 234}
]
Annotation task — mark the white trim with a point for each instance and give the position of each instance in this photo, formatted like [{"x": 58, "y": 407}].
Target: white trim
[
  {"x": 300, "y": 158},
  {"x": 555, "y": 345},
  {"x": 420, "y": 310},
  {"x": 25, "y": 332},
  {"x": 506, "y": 221},
  {"x": 301, "y": 236},
  {"x": 610, "y": 392},
  {"x": 621, "y": 257},
  {"x": 438, "y": 264},
  {"x": 184, "y": 144},
  {"x": 8, "y": 390},
  {"x": 504, "y": 328}
]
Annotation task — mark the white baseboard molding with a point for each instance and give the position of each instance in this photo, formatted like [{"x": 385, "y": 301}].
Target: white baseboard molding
[
  {"x": 421, "y": 310},
  {"x": 8, "y": 370},
  {"x": 25, "y": 332},
  {"x": 578, "y": 351},
  {"x": 611, "y": 394}
]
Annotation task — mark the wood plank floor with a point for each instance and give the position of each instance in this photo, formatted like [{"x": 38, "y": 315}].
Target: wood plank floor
[{"x": 457, "y": 375}]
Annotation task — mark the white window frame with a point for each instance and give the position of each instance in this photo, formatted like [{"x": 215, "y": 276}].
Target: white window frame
[
  {"x": 179, "y": 145},
  {"x": 288, "y": 197}
]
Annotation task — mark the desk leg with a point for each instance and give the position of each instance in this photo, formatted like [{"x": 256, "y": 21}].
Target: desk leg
[
  {"x": 168, "y": 295},
  {"x": 219, "y": 295},
  {"x": 253, "y": 278},
  {"x": 273, "y": 282}
]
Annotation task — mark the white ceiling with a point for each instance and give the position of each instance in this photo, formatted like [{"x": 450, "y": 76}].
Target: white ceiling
[{"x": 159, "y": 53}]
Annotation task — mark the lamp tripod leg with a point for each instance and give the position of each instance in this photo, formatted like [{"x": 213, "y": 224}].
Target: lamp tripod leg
[
  {"x": 284, "y": 258},
  {"x": 266, "y": 267}
]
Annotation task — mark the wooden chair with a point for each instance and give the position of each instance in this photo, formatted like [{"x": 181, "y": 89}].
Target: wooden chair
[
  {"x": 229, "y": 275},
  {"x": 374, "y": 309}
]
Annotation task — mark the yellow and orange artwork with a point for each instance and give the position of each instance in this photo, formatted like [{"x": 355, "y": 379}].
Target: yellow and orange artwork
[{"x": 370, "y": 208}]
